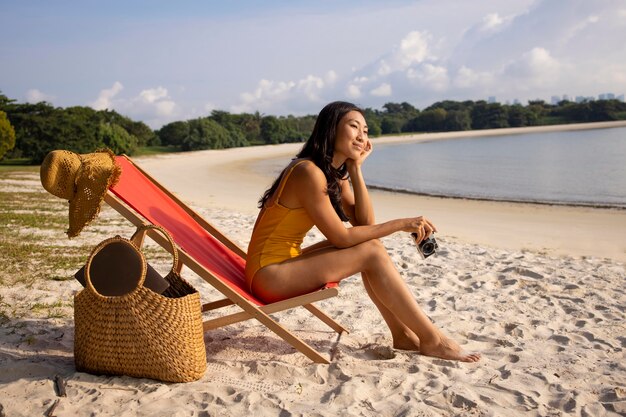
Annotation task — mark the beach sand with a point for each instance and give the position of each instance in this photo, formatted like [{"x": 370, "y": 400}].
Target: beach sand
[{"x": 538, "y": 289}]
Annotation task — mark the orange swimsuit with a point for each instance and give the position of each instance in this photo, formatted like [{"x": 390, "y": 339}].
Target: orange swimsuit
[{"x": 278, "y": 233}]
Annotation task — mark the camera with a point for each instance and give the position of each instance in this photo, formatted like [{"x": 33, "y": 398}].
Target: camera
[{"x": 427, "y": 246}]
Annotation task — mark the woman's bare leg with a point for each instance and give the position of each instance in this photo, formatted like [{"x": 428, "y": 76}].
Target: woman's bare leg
[
  {"x": 403, "y": 337},
  {"x": 314, "y": 269}
]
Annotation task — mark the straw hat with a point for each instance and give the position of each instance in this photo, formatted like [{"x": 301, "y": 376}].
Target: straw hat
[{"x": 83, "y": 180}]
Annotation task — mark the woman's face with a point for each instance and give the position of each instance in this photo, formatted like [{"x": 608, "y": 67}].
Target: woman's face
[{"x": 351, "y": 137}]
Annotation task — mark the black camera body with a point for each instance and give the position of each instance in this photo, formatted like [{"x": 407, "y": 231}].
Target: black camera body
[{"x": 426, "y": 247}]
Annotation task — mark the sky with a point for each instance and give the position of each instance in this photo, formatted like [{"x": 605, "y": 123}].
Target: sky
[{"x": 160, "y": 61}]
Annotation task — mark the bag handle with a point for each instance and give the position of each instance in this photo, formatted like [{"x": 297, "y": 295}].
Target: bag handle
[
  {"x": 117, "y": 239},
  {"x": 138, "y": 238}
]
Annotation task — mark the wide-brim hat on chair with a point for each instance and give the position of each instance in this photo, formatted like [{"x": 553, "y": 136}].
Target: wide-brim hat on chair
[{"x": 83, "y": 180}]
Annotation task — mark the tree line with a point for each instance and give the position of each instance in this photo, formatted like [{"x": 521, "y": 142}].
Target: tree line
[{"x": 29, "y": 131}]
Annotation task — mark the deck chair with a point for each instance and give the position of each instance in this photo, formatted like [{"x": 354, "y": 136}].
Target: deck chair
[{"x": 206, "y": 251}]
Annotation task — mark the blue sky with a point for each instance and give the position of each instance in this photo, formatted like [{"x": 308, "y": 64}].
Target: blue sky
[{"x": 161, "y": 61}]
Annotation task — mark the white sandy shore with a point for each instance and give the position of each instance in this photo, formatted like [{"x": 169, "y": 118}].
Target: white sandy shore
[{"x": 521, "y": 283}]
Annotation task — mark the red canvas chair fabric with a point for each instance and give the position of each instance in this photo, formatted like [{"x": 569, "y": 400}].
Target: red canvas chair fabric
[
  {"x": 207, "y": 252},
  {"x": 147, "y": 199}
]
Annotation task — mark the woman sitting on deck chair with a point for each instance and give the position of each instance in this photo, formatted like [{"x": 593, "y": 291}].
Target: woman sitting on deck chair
[{"x": 314, "y": 189}]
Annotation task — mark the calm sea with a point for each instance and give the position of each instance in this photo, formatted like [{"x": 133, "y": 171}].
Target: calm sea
[{"x": 586, "y": 167}]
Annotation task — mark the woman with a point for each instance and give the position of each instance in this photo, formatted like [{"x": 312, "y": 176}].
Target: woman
[{"x": 314, "y": 190}]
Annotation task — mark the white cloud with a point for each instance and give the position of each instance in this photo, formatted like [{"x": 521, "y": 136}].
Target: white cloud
[
  {"x": 36, "y": 96},
  {"x": 311, "y": 86},
  {"x": 491, "y": 21},
  {"x": 534, "y": 64},
  {"x": 288, "y": 96},
  {"x": 266, "y": 92},
  {"x": 429, "y": 76},
  {"x": 152, "y": 105},
  {"x": 414, "y": 47},
  {"x": 353, "y": 91},
  {"x": 469, "y": 78},
  {"x": 577, "y": 28},
  {"x": 104, "y": 100},
  {"x": 383, "y": 90},
  {"x": 154, "y": 101},
  {"x": 153, "y": 94},
  {"x": 383, "y": 68},
  {"x": 331, "y": 77}
]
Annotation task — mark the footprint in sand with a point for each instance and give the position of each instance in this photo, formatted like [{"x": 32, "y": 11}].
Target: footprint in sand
[
  {"x": 513, "y": 358},
  {"x": 561, "y": 340},
  {"x": 523, "y": 271},
  {"x": 378, "y": 352}
]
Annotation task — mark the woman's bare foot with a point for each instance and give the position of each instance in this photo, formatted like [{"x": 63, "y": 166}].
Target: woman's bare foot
[
  {"x": 447, "y": 349},
  {"x": 406, "y": 342}
]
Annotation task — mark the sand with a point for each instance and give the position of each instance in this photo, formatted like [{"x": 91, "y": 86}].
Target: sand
[{"x": 539, "y": 290}]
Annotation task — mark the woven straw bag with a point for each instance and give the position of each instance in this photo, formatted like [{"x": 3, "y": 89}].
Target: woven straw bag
[{"x": 140, "y": 333}]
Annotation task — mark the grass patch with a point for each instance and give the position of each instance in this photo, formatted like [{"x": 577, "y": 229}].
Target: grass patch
[
  {"x": 17, "y": 163},
  {"x": 54, "y": 310},
  {"x": 10, "y": 220},
  {"x": 28, "y": 262},
  {"x": 27, "y": 216}
]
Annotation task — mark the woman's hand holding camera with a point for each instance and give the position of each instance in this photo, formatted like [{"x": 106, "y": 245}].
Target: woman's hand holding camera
[{"x": 421, "y": 226}]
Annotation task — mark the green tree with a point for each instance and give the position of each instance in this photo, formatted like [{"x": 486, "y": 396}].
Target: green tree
[
  {"x": 537, "y": 110},
  {"x": 458, "y": 120},
  {"x": 145, "y": 136},
  {"x": 489, "y": 116},
  {"x": 373, "y": 119},
  {"x": 116, "y": 138},
  {"x": 232, "y": 123},
  {"x": 251, "y": 126},
  {"x": 7, "y": 135},
  {"x": 173, "y": 134},
  {"x": 518, "y": 116},
  {"x": 604, "y": 110},
  {"x": 272, "y": 130},
  {"x": 205, "y": 133},
  {"x": 391, "y": 124},
  {"x": 432, "y": 120}
]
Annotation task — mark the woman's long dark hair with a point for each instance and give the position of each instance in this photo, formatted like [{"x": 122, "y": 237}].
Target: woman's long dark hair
[{"x": 320, "y": 148}]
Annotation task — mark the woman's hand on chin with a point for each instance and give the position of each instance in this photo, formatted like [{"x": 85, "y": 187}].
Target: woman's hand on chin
[{"x": 357, "y": 162}]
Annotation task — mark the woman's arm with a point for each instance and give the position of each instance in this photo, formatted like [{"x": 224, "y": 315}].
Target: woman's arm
[
  {"x": 310, "y": 188},
  {"x": 356, "y": 199}
]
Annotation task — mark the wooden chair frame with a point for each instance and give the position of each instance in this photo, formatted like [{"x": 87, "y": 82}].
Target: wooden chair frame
[{"x": 232, "y": 297}]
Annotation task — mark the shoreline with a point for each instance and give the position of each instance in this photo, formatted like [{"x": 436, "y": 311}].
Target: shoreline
[
  {"x": 234, "y": 179},
  {"x": 277, "y": 165},
  {"x": 462, "y": 134},
  {"x": 498, "y": 200}
]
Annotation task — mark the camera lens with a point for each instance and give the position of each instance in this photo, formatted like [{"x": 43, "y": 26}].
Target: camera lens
[{"x": 428, "y": 248}]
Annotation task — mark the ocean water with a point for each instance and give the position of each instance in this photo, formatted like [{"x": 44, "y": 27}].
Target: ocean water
[{"x": 586, "y": 167}]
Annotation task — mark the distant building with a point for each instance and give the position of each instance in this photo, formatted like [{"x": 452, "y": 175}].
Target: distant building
[
  {"x": 491, "y": 99},
  {"x": 555, "y": 100},
  {"x": 606, "y": 96},
  {"x": 581, "y": 99},
  {"x": 620, "y": 97}
]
